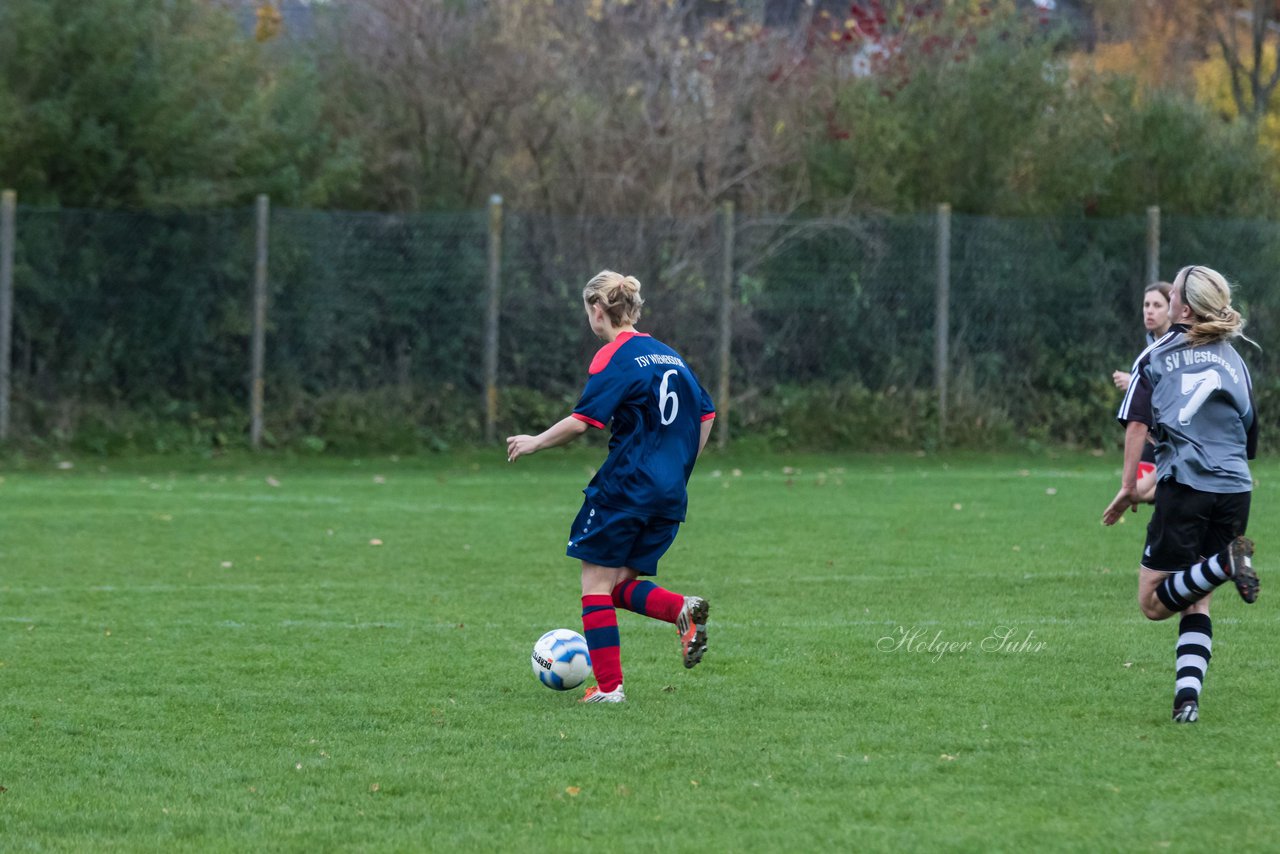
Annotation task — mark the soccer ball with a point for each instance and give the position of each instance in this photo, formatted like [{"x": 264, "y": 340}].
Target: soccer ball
[{"x": 560, "y": 659}]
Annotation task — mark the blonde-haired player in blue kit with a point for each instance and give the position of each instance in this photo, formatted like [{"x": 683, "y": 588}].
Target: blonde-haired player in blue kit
[
  {"x": 660, "y": 418},
  {"x": 1192, "y": 392}
]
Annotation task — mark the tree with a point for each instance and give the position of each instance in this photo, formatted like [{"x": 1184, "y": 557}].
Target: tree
[
  {"x": 603, "y": 106},
  {"x": 1247, "y": 33},
  {"x": 140, "y": 103},
  {"x": 1155, "y": 42}
]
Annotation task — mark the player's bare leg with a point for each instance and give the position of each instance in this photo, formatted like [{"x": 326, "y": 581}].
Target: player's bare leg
[{"x": 1149, "y": 581}]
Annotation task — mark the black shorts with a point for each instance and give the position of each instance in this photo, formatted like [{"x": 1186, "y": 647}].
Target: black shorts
[{"x": 1188, "y": 525}]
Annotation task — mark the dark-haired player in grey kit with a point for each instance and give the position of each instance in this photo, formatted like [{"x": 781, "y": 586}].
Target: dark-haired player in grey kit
[{"x": 1192, "y": 392}]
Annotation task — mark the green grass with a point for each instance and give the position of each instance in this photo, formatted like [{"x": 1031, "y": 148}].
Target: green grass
[{"x": 215, "y": 657}]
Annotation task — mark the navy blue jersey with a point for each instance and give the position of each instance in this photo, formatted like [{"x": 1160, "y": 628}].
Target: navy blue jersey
[{"x": 654, "y": 406}]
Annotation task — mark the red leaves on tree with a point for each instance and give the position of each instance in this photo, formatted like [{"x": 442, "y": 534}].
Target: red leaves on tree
[
  {"x": 834, "y": 131},
  {"x": 870, "y": 19}
]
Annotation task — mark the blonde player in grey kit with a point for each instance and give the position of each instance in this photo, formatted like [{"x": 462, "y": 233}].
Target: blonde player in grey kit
[{"x": 1192, "y": 392}]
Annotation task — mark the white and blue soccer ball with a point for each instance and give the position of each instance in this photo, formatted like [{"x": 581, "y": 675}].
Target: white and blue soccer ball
[{"x": 561, "y": 660}]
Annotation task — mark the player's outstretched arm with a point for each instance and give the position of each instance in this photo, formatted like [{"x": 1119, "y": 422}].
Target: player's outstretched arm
[
  {"x": 704, "y": 434},
  {"x": 1125, "y": 499},
  {"x": 562, "y": 432},
  {"x": 1135, "y": 436}
]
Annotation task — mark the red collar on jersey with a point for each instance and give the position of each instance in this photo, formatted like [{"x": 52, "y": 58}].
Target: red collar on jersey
[{"x": 605, "y": 353}]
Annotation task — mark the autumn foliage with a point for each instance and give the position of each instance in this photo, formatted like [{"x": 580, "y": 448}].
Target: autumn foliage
[{"x": 669, "y": 107}]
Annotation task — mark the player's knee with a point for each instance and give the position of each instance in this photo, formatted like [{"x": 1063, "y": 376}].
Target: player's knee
[{"x": 1154, "y": 610}]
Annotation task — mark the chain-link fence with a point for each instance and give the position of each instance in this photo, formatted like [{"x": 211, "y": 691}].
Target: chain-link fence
[{"x": 824, "y": 330}]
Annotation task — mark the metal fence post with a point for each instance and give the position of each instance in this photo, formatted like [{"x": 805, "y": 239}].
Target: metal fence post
[
  {"x": 726, "y": 325},
  {"x": 8, "y": 214},
  {"x": 1153, "y": 244},
  {"x": 491, "y": 320},
  {"x": 942, "y": 318},
  {"x": 258, "y": 346}
]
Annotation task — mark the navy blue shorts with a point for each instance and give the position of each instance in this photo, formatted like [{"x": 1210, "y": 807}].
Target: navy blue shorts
[{"x": 619, "y": 539}]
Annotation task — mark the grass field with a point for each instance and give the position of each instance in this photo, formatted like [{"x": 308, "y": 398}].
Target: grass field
[{"x": 220, "y": 656}]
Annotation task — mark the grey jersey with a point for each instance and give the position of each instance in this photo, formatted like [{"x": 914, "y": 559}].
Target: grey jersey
[{"x": 1198, "y": 403}]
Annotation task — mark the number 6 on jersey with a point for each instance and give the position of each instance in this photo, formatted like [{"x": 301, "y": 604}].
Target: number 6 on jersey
[{"x": 664, "y": 395}]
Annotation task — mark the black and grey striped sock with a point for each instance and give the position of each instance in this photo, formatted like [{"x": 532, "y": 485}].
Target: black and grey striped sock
[
  {"x": 1188, "y": 586},
  {"x": 1195, "y": 648}
]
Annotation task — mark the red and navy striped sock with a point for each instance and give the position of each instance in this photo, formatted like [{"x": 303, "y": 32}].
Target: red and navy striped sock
[
  {"x": 600, "y": 628},
  {"x": 648, "y": 599}
]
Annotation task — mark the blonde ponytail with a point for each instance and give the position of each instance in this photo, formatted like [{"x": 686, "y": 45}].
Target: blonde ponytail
[
  {"x": 617, "y": 294},
  {"x": 1208, "y": 294}
]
